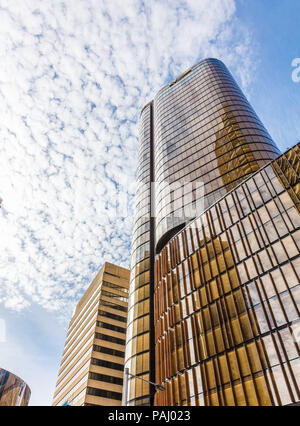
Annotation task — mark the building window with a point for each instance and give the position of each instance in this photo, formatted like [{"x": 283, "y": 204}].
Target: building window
[
  {"x": 110, "y": 338},
  {"x": 111, "y": 327},
  {"x": 107, "y": 364},
  {"x": 112, "y": 316},
  {"x": 105, "y": 378},
  {"x": 104, "y": 393},
  {"x": 109, "y": 351}
]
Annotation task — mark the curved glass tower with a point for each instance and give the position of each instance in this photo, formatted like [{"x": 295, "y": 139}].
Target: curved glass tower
[
  {"x": 199, "y": 140},
  {"x": 14, "y": 392},
  {"x": 140, "y": 330},
  {"x": 205, "y": 131}
]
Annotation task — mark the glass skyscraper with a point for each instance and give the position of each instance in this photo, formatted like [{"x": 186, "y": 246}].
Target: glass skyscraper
[
  {"x": 214, "y": 293},
  {"x": 227, "y": 297}
]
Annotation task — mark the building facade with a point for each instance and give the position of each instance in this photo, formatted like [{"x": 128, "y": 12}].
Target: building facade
[
  {"x": 227, "y": 297},
  {"x": 198, "y": 132},
  {"x": 14, "y": 392},
  {"x": 92, "y": 366}
]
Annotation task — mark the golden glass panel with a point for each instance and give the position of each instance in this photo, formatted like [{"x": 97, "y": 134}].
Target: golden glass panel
[
  {"x": 236, "y": 330},
  {"x": 214, "y": 291},
  {"x": 228, "y": 258},
  {"x": 182, "y": 385},
  {"x": 239, "y": 394},
  {"x": 177, "y": 313},
  {"x": 262, "y": 391},
  {"x": 210, "y": 345},
  {"x": 239, "y": 299},
  {"x": 245, "y": 313},
  {"x": 194, "y": 261},
  {"x": 250, "y": 392},
  {"x": 132, "y": 368},
  {"x": 180, "y": 359},
  {"x": 175, "y": 391},
  {"x": 207, "y": 273},
  {"x": 210, "y": 374},
  {"x": 224, "y": 372},
  {"x": 219, "y": 340},
  {"x": 256, "y": 358},
  {"x": 234, "y": 280},
  {"x": 214, "y": 398},
  {"x": 243, "y": 361},
  {"x": 226, "y": 282},
  {"x": 229, "y": 398},
  {"x": 231, "y": 309},
  {"x": 246, "y": 327},
  {"x": 197, "y": 280},
  {"x": 203, "y": 296}
]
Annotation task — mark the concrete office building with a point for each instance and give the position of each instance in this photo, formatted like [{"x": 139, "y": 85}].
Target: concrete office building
[
  {"x": 91, "y": 370},
  {"x": 214, "y": 293}
]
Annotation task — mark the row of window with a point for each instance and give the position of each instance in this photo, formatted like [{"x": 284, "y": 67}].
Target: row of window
[
  {"x": 219, "y": 175},
  {"x": 108, "y": 338},
  {"x": 105, "y": 378},
  {"x": 75, "y": 340},
  {"x": 109, "y": 351},
  {"x": 77, "y": 321},
  {"x": 113, "y": 295},
  {"x": 117, "y": 287},
  {"x": 75, "y": 354},
  {"x": 111, "y": 327},
  {"x": 104, "y": 393},
  {"x": 200, "y": 103},
  {"x": 107, "y": 364},
  {"x": 69, "y": 379},
  {"x": 218, "y": 158},
  {"x": 113, "y": 305},
  {"x": 193, "y": 120},
  {"x": 198, "y": 88},
  {"x": 197, "y": 114},
  {"x": 112, "y": 316},
  {"x": 195, "y": 144},
  {"x": 178, "y": 139}
]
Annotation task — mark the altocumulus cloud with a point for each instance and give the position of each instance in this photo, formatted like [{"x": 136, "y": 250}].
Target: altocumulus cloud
[{"x": 73, "y": 77}]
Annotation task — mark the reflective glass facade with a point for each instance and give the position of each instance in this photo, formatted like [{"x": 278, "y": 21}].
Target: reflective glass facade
[
  {"x": 140, "y": 305},
  {"x": 200, "y": 128},
  {"x": 14, "y": 392},
  {"x": 227, "y": 297},
  {"x": 206, "y": 131}
]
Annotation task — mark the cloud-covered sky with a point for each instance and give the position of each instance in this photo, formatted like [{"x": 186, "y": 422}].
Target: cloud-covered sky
[{"x": 74, "y": 75}]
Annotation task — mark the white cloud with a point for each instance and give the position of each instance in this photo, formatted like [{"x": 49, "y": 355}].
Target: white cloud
[{"x": 73, "y": 78}]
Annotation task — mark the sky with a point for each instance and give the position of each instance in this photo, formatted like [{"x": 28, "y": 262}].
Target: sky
[{"x": 74, "y": 76}]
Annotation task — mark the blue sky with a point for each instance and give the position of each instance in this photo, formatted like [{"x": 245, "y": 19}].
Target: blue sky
[
  {"x": 72, "y": 82},
  {"x": 274, "y": 25}
]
